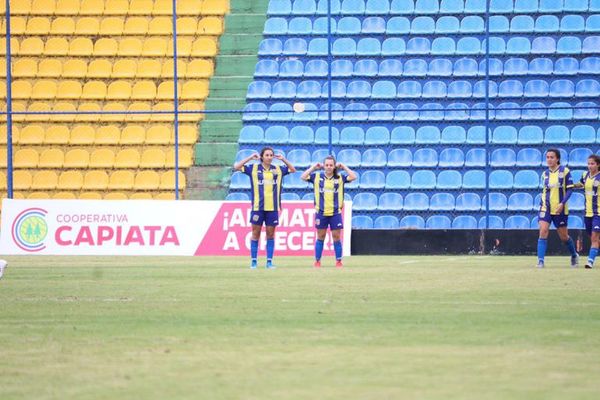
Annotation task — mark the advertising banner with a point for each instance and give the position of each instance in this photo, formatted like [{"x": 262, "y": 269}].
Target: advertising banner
[{"x": 153, "y": 227}]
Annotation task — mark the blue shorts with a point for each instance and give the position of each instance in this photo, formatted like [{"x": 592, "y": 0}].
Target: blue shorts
[
  {"x": 592, "y": 224},
  {"x": 333, "y": 221},
  {"x": 269, "y": 218},
  {"x": 559, "y": 220}
]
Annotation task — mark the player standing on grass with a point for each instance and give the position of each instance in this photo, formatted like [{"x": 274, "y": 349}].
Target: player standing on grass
[
  {"x": 329, "y": 203},
  {"x": 590, "y": 181},
  {"x": 265, "y": 181},
  {"x": 557, "y": 188}
]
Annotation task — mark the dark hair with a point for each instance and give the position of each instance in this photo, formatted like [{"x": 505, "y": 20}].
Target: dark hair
[
  {"x": 332, "y": 158},
  {"x": 595, "y": 157},
  {"x": 556, "y": 153},
  {"x": 262, "y": 151}
]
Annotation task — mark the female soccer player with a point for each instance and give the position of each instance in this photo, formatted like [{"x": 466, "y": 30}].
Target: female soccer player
[
  {"x": 590, "y": 181},
  {"x": 557, "y": 188},
  {"x": 265, "y": 180},
  {"x": 329, "y": 202}
]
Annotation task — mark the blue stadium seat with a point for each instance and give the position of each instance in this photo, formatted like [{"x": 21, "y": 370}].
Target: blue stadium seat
[
  {"x": 393, "y": 47},
  {"x": 275, "y": 26},
  {"x": 517, "y": 222},
  {"x": 416, "y": 202},
  {"x": 440, "y": 67},
  {"x": 516, "y": 66},
  {"x": 479, "y": 89},
  {"x": 381, "y": 90},
  {"x": 364, "y": 202},
  {"x": 348, "y": 26},
  {"x": 431, "y": 112},
  {"x": 491, "y": 222},
  {"x": 308, "y": 90},
  {"x": 316, "y": 68},
  {"x": 338, "y": 89},
  {"x": 529, "y": 157},
  {"x": 438, "y": 222},
  {"x": 541, "y": 66},
  {"x": 415, "y": 67},
  {"x": 476, "y": 135},
  {"x": 350, "y": 157},
  {"x": 543, "y": 45},
  {"x": 342, "y": 68},
  {"x": 457, "y": 111},
  {"x": 498, "y": 24},
  {"x": 536, "y": 88},
  {"x": 300, "y": 25},
  {"x": 531, "y": 134},
  {"x": 476, "y": 158},
  {"x": 504, "y": 134},
  {"x": 428, "y": 135},
  {"x": 310, "y": 196},
  {"x": 575, "y": 222},
  {"x": 295, "y": 47},
  {"x": 344, "y": 47},
  {"x": 417, "y": 45},
  {"x": 478, "y": 112},
  {"x": 577, "y": 202},
  {"x": 407, "y": 112},
  {"x": 496, "y": 67},
  {"x": 390, "y": 202},
  {"x": 283, "y": 90},
  {"x": 533, "y": 110},
  {"x": 453, "y": 134},
  {"x": 318, "y": 156},
  {"x": 374, "y": 158},
  {"x": 293, "y": 181},
  {"x": 510, "y": 88},
  {"x": 425, "y": 158},
  {"x": 447, "y": 25},
  {"x": 501, "y": 179},
  {"x": 590, "y": 45},
  {"x": 245, "y": 153},
  {"x": 562, "y": 88},
  {"x": 422, "y": 180},
  {"x": 368, "y": 47},
  {"x": 497, "y": 202},
  {"x": 546, "y": 24},
  {"x": 521, "y": 24},
  {"x": 309, "y": 114},
  {"x": 426, "y": 7},
  {"x": 508, "y": 110},
  {"x": 402, "y": 135},
  {"x": 353, "y": 7},
  {"x": 386, "y": 222},
  {"x": 381, "y": 112},
  {"x": 412, "y": 221},
  {"x": 390, "y": 67},
  {"x": 568, "y": 45},
  {"x": 587, "y": 88},
  {"x": 276, "y": 134},
  {"x": 573, "y": 23},
  {"x": 356, "y": 112},
  {"x": 459, "y": 89},
  {"x": 464, "y": 222},
  {"x": 465, "y": 67},
  {"x": 518, "y": 45},
  {"x": 434, "y": 89},
  {"x": 255, "y": 112},
  {"x": 409, "y": 89},
  {"x": 323, "y": 6},
  {"x": 497, "y": 44},
  {"x": 358, "y": 90},
  {"x": 398, "y": 26},
  {"x": 501, "y": 6},
  {"x": 557, "y": 134},
  {"x": 366, "y": 68},
  {"x": 237, "y": 196},
  {"x": 422, "y": 26},
  {"x": 251, "y": 134},
  {"x": 468, "y": 202},
  {"x": 525, "y": 6},
  {"x": 592, "y": 23},
  {"x": 583, "y": 134},
  {"x": 266, "y": 68},
  {"x": 468, "y": 45},
  {"x": 377, "y": 135},
  {"x": 291, "y": 69},
  {"x": 322, "y": 135},
  {"x": 443, "y": 46},
  {"x": 575, "y": 6},
  {"x": 472, "y": 24},
  {"x": 280, "y": 112},
  {"x": 317, "y": 47},
  {"x": 239, "y": 181},
  {"x": 397, "y": 180},
  {"x": 452, "y": 7},
  {"x": 526, "y": 179},
  {"x": 372, "y": 180},
  {"x": 377, "y": 7},
  {"x": 321, "y": 26},
  {"x": 290, "y": 196},
  {"x": 520, "y": 202},
  {"x": 449, "y": 180},
  {"x": 503, "y": 158},
  {"x": 551, "y": 6},
  {"x": 586, "y": 110},
  {"x": 576, "y": 174},
  {"x": 362, "y": 222},
  {"x": 259, "y": 90},
  {"x": 279, "y": 7},
  {"x": 451, "y": 158},
  {"x": 560, "y": 111},
  {"x": 300, "y": 158},
  {"x": 400, "y": 158},
  {"x": 578, "y": 157}
]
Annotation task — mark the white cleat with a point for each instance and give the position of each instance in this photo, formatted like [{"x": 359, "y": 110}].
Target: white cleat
[
  {"x": 540, "y": 265},
  {"x": 3, "y": 265}
]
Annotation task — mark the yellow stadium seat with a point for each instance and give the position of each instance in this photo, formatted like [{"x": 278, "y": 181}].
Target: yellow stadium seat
[
  {"x": 38, "y": 107},
  {"x": 90, "y": 196},
  {"x": 116, "y": 7},
  {"x": 115, "y": 196},
  {"x": 21, "y": 89},
  {"x": 15, "y": 47},
  {"x": 160, "y": 26},
  {"x": 166, "y": 196},
  {"x": 38, "y": 26},
  {"x": 130, "y": 47},
  {"x": 144, "y": 90},
  {"x": 127, "y": 158},
  {"x": 3, "y": 182},
  {"x": 62, "y": 26},
  {"x": 57, "y": 134},
  {"x": 154, "y": 47},
  {"x": 95, "y": 180},
  {"x": 188, "y": 134},
  {"x": 4, "y": 133},
  {"x": 102, "y": 158},
  {"x": 31, "y": 134},
  {"x": 56, "y": 47},
  {"x": 158, "y": 134},
  {"x": 94, "y": 90},
  {"x": 121, "y": 180},
  {"x": 67, "y": 7},
  {"x": 125, "y": 68},
  {"x": 167, "y": 180},
  {"x": 100, "y": 68},
  {"x": 18, "y": 25},
  {"x": 191, "y": 116},
  {"x": 77, "y": 158},
  {"x": 44, "y": 89},
  {"x": 82, "y": 47},
  {"x": 140, "y": 7},
  {"x": 194, "y": 90},
  {"x": 215, "y": 7},
  {"x": 133, "y": 135},
  {"x": 105, "y": 47},
  {"x": 136, "y": 26},
  {"x": 140, "y": 195},
  {"x": 26, "y": 158},
  {"x": 162, "y": 112},
  {"x": 87, "y": 112},
  {"x": 25, "y": 68},
  {"x": 184, "y": 47},
  {"x": 204, "y": 47},
  {"x": 135, "y": 112},
  {"x": 82, "y": 135},
  {"x": 148, "y": 69},
  {"x": 146, "y": 180},
  {"x": 91, "y": 7},
  {"x": 67, "y": 112},
  {"x": 153, "y": 158},
  {"x": 166, "y": 90},
  {"x": 69, "y": 89},
  {"x": 31, "y": 46},
  {"x": 51, "y": 158},
  {"x": 199, "y": 69},
  {"x": 50, "y": 68},
  {"x": 3, "y": 157},
  {"x": 74, "y": 69},
  {"x": 70, "y": 180},
  {"x": 44, "y": 180},
  {"x": 186, "y": 26},
  {"x": 108, "y": 134},
  {"x": 43, "y": 7},
  {"x": 162, "y": 7},
  {"x": 189, "y": 7},
  {"x": 64, "y": 196},
  {"x": 111, "y": 26},
  {"x": 119, "y": 90},
  {"x": 210, "y": 26},
  {"x": 167, "y": 69},
  {"x": 38, "y": 196},
  {"x": 116, "y": 110},
  {"x": 18, "y": 195},
  {"x": 185, "y": 158},
  {"x": 87, "y": 26}
]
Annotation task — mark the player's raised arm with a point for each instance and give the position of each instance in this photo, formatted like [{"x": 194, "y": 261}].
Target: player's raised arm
[
  {"x": 288, "y": 164},
  {"x": 351, "y": 174},
  {"x": 238, "y": 166},
  {"x": 306, "y": 174}
]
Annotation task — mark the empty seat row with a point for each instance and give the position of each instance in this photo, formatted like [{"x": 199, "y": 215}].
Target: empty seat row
[
  {"x": 360, "y": 112},
  {"x": 100, "y": 158},
  {"x": 87, "y": 134},
  {"x": 408, "y": 7},
  {"x": 423, "y": 25},
  {"x": 394, "y": 46},
  {"x": 106, "y": 47},
  {"x": 432, "y": 89},
  {"x": 114, "y": 26},
  {"x": 418, "y": 67},
  {"x": 95, "y": 180},
  {"x": 114, "y": 195},
  {"x": 117, "y": 7},
  {"x": 105, "y": 68}
]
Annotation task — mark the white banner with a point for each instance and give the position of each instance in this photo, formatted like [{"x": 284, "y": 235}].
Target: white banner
[{"x": 152, "y": 227}]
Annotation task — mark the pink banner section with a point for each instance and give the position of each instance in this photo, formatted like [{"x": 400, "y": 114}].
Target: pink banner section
[{"x": 230, "y": 231}]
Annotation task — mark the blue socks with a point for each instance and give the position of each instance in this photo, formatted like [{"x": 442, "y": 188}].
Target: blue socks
[
  {"x": 541, "y": 249},
  {"x": 253, "y": 249},
  {"x": 592, "y": 256},
  {"x": 318, "y": 249},
  {"x": 270, "y": 249},
  {"x": 338, "y": 250},
  {"x": 571, "y": 246}
]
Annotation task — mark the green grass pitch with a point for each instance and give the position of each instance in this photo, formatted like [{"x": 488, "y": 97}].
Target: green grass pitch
[{"x": 382, "y": 328}]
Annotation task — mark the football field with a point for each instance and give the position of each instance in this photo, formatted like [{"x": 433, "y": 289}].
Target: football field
[{"x": 382, "y": 328}]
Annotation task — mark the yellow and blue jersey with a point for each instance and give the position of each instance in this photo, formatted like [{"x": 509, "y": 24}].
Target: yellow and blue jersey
[
  {"x": 329, "y": 193},
  {"x": 265, "y": 186},
  {"x": 591, "y": 185},
  {"x": 555, "y": 186}
]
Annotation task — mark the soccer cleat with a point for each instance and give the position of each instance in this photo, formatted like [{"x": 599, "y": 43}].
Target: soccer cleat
[
  {"x": 317, "y": 264},
  {"x": 253, "y": 264},
  {"x": 588, "y": 266},
  {"x": 338, "y": 264},
  {"x": 270, "y": 265},
  {"x": 3, "y": 265},
  {"x": 540, "y": 264},
  {"x": 575, "y": 261}
]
